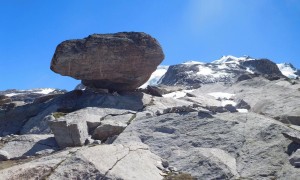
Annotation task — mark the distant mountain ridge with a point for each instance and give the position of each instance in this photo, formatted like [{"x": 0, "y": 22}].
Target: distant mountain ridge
[
  {"x": 226, "y": 69},
  {"x": 28, "y": 96}
]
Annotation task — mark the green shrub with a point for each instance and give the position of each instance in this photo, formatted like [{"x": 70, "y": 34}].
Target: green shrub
[
  {"x": 180, "y": 176},
  {"x": 131, "y": 119},
  {"x": 58, "y": 114}
]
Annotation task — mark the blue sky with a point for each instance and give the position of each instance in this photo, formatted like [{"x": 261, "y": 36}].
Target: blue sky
[{"x": 202, "y": 30}]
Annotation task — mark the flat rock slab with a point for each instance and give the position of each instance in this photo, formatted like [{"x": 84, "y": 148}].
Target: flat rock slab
[
  {"x": 219, "y": 146},
  {"x": 293, "y": 136},
  {"x": 120, "y": 61},
  {"x": 128, "y": 162},
  {"x": 29, "y": 145},
  {"x": 161, "y": 105}
]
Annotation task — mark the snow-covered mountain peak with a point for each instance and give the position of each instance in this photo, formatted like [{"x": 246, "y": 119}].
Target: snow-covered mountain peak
[
  {"x": 288, "y": 70},
  {"x": 232, "y": 59},
  {"x": 29, "y": 95},
  {"x": 192, "y": 62},
  {"x": 226, "y": 69}
]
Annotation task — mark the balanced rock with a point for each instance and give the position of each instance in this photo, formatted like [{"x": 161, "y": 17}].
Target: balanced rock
[{"x": 120, "y": 61}]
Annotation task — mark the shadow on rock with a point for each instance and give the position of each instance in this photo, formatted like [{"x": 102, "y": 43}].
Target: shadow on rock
[{"x": 292, "y": 148}]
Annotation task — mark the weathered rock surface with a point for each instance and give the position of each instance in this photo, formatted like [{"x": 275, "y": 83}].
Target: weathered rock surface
[
  {"x": 69, "y": 132},
  {"x": 112, "y": 126},
  {"x": 4, "y": 155},
  {"x": 265, "y": 67},
  {"x": 160, "y": 105},
  {"x": 293, "y": 136},
  {"x": 132, "y": 161},
  {"x": 29, "y": 145},
  {"x": 220, "y": 146},
  {"x": 37, "y": 169},
  {"x": 295, "y": 159},
  {"x": 30, "y": 118},
  {"x": 276, "y": 99},
  {"x": 74, "y": 128},
  {"x": 121, "y": 61}
]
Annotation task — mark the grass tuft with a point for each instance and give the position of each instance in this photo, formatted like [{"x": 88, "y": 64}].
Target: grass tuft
[
  {"x": 58, "y": 114},
  {"x": 180, "y": 176}
]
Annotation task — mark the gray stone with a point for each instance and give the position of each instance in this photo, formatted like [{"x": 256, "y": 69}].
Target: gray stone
[
  {"x": 276, "y": 99},
  {"x": 96, "y": 60},
  {"x": 241, "y": 104},
  {"x": 37, "y": 169},
  {"x": 221, "y": 146},
  {"x": 230, "y": 108},
  {"x": 133, "y": 161},
  {"x": 29, "y": 145},
  {"x": 161, "y": 105},
  {"x": 293, "y": 136},
  {"x": 69, "y": 131},
  {"x": 111, "y": 126},
  {"x": 4, "y": 155},
  {"x": 96, "y": 142},
  {"x": 165, "y": 163},
  {"x": 30, "y": 118},
  {"x": 88, "y": 141},
  {"x": 295, "y": 159},
  {"x": 74, "y": 128}
]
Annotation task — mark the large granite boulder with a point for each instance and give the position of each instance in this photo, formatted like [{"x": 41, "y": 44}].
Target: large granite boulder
[{"x": 121, "y": 61}]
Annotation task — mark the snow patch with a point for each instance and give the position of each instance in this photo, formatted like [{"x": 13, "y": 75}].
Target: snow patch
[
  {"x": 192, "y": 62},
  {"x": 232, "y": 59},
  {"x": 205, "y": 70},
  {"x": 288, "y": 70},
  {"x": 37, "y": 91},
  {"x": 177, "y": 94},
  {"x": 242, "y": 110},
  {"x": 249, "y": 70},
  {"x": 208, "y": 71},
  {"x": 228, "y": 102},
  {"x": 45, "y": 91},
  {"x": 13, "y": 94},
  {"x": 221, "y": 95},
  {"x": 223, "y": 66},
  {"x": 156, "y": 76}
]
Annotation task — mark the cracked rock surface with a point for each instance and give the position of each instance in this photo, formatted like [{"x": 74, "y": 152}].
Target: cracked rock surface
[
  {"x": 130, "y": 161},
  {"x": 29, "y": 145},
  {"x": 220, "y": 146}
]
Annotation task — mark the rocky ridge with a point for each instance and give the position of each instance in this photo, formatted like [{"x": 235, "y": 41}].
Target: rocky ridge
[{"x": 228, "y": 69}]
